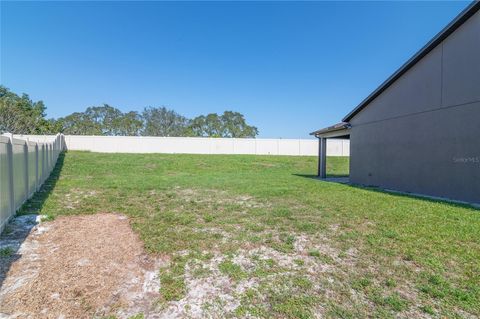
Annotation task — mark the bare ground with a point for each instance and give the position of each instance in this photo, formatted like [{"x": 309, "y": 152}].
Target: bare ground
[
  {"x": 93, "y": 266},
  {"x": 79, "y": 267}
]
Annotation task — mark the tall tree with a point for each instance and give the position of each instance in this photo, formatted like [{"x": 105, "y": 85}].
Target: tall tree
[
  {"x": 229, "y": 124},
  {"x": 197, "y": 126},
  {"x": 160, "y": 121},
  {"x": 79, "y": 123},
  {"x": 210, "y": 125},
  {"x": 102, "y": 120},
  {"x": 234, "y": 125},
  {"x": 20, "y": 115},
  {"x": 106, "y": 117},
  {"x": 129, "y": 124}
]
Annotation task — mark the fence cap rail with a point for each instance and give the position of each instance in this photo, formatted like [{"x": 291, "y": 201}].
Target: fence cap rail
[
  {"x": 4, "y": 139},
  {"x": 16, "y": 141}
]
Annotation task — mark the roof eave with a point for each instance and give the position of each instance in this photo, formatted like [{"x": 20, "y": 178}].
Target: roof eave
[
  {"x": 330, "y": 129},
  {"x": 442, "y": 35}
]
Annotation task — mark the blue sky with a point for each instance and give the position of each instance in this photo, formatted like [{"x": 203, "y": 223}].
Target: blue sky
[{"x": 290, "y": 67}]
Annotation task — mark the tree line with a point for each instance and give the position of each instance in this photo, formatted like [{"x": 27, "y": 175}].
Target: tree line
[{"x": 21, "y": 115}]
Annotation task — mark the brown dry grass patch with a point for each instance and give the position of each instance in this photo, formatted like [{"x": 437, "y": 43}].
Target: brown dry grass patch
[{"x": 83, "y": 266}]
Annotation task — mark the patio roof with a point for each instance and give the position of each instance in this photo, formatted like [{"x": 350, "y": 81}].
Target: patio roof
[{"x": 339, "y": 129}]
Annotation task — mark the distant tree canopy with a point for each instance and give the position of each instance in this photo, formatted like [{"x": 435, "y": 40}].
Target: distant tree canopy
[
  {"x": 102, "y": 120},
  {"x": 229, "y": 124},
  {"x": 163, "y": 122},
  {"x": 20, "y": 115}
]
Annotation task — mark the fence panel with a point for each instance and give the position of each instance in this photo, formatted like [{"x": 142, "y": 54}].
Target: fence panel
[
  {"x": 222, "y": 146},
  {"x": 266, "y": 147},
  {"x": 289, "y": 147},
  {"x": 245, "y": 146},
  {"x": 19, "y": 172},
  {"x": 24, "y": 166},
  {"x": 32, "y": 168},
  {"x": 41, "y": 163},
  {"x": 203, "y": 145},
  {"x": 52, "y": 156},
  {"x": 5, "y": 189}
]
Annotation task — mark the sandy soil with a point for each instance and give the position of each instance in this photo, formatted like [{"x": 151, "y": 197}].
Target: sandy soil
[{"x": 77, "y": 267}]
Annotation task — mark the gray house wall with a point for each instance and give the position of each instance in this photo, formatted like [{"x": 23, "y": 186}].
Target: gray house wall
[{"x": 422, "y": 134}]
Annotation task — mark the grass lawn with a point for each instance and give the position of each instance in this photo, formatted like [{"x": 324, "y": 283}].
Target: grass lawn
[{"x": 276, "y": 242}]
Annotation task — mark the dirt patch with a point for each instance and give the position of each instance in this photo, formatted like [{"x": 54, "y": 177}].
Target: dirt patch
[
  {"x": 76, "y": 196},
  {"x": 12, "y": 241},
  {"x": 218, "y": 197},
  {"x": 79, "y": 267},
  {"x": 210, "y": 296},
  {"x": 213, "y": 293}
]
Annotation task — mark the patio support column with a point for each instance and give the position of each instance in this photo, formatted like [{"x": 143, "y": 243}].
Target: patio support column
[{"x": 322, "y": 157}]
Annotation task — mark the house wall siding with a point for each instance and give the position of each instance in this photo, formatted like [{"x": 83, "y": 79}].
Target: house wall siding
[{"x": 422, "y": 134}]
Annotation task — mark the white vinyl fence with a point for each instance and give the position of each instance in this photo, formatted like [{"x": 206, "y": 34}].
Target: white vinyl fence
[
  {"x": 204, "y": 145},
  {"x": 25, "y": 163}
]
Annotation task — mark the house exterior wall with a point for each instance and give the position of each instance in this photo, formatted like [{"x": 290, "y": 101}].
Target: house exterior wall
[{"x": 422, "y": 134}]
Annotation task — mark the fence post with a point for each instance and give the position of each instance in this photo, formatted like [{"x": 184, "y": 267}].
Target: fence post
[
  {"x": 40, "y": 167},
  {"x": 36, "y": 168},
  {"x": 45, "y": 162},
  {"x": 51, "y": 156},
  {"x": 57, "y": 146},
  {"x": 47, "y": 156},
  {"x": 10, "y": 173},
  {"x": 25, "y": 157}
]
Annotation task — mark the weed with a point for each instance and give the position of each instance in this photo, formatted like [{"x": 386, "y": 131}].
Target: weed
[
  {"x": 6, "y": 252},
  {"x": 361, "y": 283},
  {"x": 428, "y": 310},
  {"x": 393, "y": 301},
  {"x": 208, "y": 218},
  {"x": 299, "y": 262},
  {"x": 172, "y": 280},
  {"x": 390, "y": 282},
  {"x": 232, "y": 270},
  {"x": 47, "y": 218}
]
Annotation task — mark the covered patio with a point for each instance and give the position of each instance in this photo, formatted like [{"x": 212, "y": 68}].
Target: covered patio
[{"x": 338, "y": 131}]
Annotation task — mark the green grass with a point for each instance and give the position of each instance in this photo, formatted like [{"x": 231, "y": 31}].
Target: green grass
[
  {"x": 338, "y": 166},
  {"x": 232, "y": 270},
  {"x": 401, "y": 254},
  {"x": 6, "y": 252}
]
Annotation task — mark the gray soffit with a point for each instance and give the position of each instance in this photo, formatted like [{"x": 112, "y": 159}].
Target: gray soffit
[
  {"x": 337, "y": 127},
  {"x": 442, "y": 35}
]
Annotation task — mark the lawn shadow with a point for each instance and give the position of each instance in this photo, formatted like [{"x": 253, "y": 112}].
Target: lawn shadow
[
  {"x": 339, "y": 178},
  {"x": 18, "y": 229},
  {"x": 422, "y": 197},
  {"x": 313, "y": 176}
]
